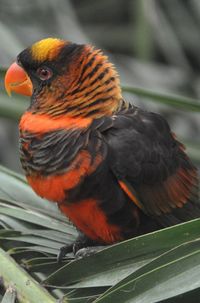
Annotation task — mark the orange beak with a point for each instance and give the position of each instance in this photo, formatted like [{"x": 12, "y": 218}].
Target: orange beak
[{"x": 17, "y": 80}]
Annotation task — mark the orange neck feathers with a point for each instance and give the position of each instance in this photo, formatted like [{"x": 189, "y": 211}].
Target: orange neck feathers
[{"x": 44, "y": 123}]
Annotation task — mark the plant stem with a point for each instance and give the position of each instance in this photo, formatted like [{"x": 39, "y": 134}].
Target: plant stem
[{"x": 28, "y": 290}]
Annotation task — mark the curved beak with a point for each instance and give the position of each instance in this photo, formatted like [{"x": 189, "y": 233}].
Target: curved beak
[{"x": 17, "y": 80}]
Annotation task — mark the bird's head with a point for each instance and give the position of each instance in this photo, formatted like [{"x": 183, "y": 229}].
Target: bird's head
[{"x": 65, "y": 78}]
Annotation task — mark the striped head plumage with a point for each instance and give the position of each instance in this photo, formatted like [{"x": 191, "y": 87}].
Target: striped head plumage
[{"x": 70, "y": 79}]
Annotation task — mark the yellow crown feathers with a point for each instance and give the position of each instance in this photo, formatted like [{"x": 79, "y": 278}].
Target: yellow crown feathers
[{"x": 46, "y": 49}]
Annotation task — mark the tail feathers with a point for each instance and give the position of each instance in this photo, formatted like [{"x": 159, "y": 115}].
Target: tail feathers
[
  {"x": 175, "y": 200},
  {"x": 189, "y": 211}
]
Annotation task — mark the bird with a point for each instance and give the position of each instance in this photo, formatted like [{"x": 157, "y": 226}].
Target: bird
[{"x": 115, "y": 170}]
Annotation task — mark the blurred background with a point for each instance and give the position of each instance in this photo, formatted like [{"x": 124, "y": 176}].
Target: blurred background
[{"x": 155, "y": 45}]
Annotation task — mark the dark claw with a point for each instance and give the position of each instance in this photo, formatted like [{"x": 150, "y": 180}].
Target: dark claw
[
  {"x": 81, "y": 243},
  {"x": 63, "y": 251},
  {"x": 69, "y": 248}
]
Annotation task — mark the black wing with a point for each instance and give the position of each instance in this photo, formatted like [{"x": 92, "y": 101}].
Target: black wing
[{"x": 152, "y": 166}]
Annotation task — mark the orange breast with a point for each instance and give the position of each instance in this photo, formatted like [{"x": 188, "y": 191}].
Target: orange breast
[
  {"x": 91, "y": 220},
  {"x": 85, "y": 215},
  {"x": 55, "y": 187}
]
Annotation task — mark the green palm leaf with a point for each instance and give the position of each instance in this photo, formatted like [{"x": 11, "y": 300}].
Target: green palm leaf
[{"x": 179, "y": 102}]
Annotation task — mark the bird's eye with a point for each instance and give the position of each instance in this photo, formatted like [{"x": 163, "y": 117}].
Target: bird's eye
[{"x": 44, "y": 73}]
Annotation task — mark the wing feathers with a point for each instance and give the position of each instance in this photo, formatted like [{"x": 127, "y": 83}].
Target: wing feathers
[
  {"x": 175, "y": 192},
  {"x": 152, "y": 167}
]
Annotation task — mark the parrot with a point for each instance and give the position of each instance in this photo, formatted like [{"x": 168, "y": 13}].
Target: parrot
[{"x": 115, "y": 170}]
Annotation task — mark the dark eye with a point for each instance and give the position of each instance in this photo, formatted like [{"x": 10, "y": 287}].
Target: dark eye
[{"x": 44, "y": 73}]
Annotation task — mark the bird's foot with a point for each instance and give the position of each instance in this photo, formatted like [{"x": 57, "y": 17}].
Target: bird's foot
[
  {"x": 83, "y": 246},
  {"x": 69, "y": 248}
]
